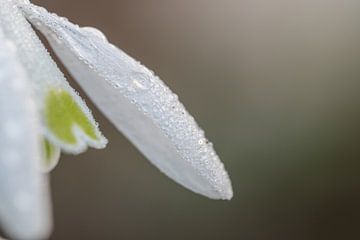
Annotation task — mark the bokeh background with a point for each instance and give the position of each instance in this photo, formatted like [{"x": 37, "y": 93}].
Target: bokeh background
[{"x": 275, "y": 84}]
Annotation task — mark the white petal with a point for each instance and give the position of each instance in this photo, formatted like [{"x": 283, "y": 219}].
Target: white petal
[
  {"x": 45, "y": 78},
  {"x": 138, "y": 103},
  {"x": 24, "y": 197}
]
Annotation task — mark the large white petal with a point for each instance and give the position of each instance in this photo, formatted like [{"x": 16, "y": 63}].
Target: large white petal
[
  {"x": 138, "y": 103},
  {"x": 24, "y": 197}
]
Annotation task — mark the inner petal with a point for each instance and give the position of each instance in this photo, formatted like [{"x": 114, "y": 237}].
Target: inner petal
[
  {"x": 63, "y": 117},
  {"x": 45, "y": 77}
]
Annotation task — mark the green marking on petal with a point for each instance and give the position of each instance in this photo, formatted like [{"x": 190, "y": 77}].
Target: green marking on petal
[
  {"x": 62, "y": 113},
  {"x": 51, "y": 155}
]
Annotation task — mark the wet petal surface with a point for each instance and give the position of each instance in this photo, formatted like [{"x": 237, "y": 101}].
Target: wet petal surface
[{"x": 138, "y": 103}]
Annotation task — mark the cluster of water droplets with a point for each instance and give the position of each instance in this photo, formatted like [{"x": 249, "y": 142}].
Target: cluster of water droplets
[{"x": 158, "y": 102}]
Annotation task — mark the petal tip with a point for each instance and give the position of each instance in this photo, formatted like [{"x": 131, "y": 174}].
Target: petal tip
[
  {"x": 225, "y": 191},
  {"x": 228, "y": 193}
]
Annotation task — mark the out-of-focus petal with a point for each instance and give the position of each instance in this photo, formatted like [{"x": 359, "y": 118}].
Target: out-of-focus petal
[
  {"x": 138, "y": 103},
  {"x": 67, "y": 122},
  {"x": 24, "y": 198},
  {"x": 51, "y": 156}
]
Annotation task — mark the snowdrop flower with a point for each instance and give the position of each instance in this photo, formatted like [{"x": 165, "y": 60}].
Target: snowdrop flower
[{"x": 41, "y": 115}]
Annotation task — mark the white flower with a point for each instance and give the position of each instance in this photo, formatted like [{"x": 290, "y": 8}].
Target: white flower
[{"x": 41, "y": 115}]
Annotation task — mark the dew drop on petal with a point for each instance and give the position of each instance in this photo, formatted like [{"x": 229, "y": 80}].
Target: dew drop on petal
[{"x": 96, "y": 32}]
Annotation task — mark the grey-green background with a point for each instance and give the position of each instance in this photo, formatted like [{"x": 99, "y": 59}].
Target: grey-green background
[{"x": 275, "y": 84}]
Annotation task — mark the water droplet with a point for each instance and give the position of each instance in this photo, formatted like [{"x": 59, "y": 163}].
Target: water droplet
[
  {"x": 140, "y": 81},
  {"x": 95, "y": 32},
  {"x": 202, "y": 141}
]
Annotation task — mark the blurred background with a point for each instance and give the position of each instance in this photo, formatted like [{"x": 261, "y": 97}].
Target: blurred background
[{"x": 275, "y": 84}]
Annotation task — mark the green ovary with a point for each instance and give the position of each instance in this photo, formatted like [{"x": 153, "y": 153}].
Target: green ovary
[{"x": 62, "y": 113}]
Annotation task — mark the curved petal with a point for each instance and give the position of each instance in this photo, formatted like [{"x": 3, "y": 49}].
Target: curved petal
[
  {"x": 138, "y": 103},
  {"x": 67, "y": 122},
  {"x": 24, "y": 197},
  {"x": 51, "y": 156}
]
